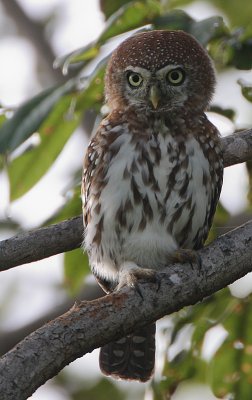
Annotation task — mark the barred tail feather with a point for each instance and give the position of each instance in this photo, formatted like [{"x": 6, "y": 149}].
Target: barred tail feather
[{"x": 132, "y": 357}]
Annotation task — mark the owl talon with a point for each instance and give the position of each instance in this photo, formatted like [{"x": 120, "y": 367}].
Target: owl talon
[
  {"x": 130, "y": 274},
  {"x": 187, "y": 256}
]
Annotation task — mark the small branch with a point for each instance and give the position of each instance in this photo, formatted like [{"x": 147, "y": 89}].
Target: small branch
[
  {"x": 89, "y": 325},
  {"x": 41, "y": 243},
  {"x": 67, "y": 235}
]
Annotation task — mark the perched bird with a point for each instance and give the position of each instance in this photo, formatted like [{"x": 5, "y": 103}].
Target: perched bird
[{"x": 152, "y": 175}]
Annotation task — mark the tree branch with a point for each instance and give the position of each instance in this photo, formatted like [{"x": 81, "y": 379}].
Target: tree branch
[
  {"x": 41, "y": 243},
  {"x": 89, "y": 325},
  {"x": 67, "y": 235},
  {"x": 237, "y": 147}
]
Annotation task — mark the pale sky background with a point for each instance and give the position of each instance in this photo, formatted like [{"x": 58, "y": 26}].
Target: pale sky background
[{"x": 33, "y": 285}]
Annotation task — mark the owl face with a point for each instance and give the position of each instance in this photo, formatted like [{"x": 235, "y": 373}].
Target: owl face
[
  {"x": 160, "y": 72},
  {"x": 155, "y": 91}
]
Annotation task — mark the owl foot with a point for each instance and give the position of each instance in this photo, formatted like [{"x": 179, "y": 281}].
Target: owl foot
[
  {"x": 187, "y": 256},
  {"x": 131, "y": 273}
]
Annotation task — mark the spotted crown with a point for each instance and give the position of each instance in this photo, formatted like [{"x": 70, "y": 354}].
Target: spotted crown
[{"x": 156, "y": 49}]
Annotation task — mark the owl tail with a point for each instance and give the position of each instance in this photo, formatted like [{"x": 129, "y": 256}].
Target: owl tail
[{"x": 132, "y": 357}]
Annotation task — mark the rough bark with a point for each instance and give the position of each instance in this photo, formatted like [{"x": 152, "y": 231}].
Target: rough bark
[
  {"x": 67, "y": 235},
  {"x": 88, "y": 325},
  {"x": 237, "y": 147},
  {"x": 41, "y": 243}
]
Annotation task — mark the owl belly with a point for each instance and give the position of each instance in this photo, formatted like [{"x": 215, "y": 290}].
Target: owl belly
[{"x": 153, "y": 203}]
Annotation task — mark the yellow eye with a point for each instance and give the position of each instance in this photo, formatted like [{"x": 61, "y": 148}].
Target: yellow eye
[
  {"x": 134, "y": 79},
  {"x": 176, "y": 76}
]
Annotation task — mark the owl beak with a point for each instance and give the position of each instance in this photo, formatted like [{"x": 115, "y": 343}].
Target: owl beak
[{"x": 155, "y": 96}]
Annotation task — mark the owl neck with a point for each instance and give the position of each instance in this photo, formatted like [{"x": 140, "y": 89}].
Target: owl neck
[
  {"x": 174, "y": 121},
  {"x": 169, "y": 116}
]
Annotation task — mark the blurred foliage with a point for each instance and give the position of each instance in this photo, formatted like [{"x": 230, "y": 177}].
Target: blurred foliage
[
  {"x": 246, "y": 89},
  {"x": 231, "y": 368},
  {"x": 76, "y": 268},
  {"x": 102, "y": 389},
  {"x": 52, "y": 116},
  {"x": 109, "y": 7},
  {"x": 229, "y": 371}
]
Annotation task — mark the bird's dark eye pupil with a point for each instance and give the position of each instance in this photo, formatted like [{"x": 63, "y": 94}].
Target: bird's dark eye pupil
[
  {"x": 175, "y": 75},
  {"x": 135, "y": 78}
]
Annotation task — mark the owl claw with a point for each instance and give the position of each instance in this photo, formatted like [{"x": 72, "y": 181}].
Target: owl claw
[
  {"x": 187, "y": 256},
  {"x": 130, "y": 274}
]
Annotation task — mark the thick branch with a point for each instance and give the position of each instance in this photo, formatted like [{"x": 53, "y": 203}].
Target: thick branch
[
  {"x": 237, "y": 147},
  {"x": 67, "y": 235},
  {"x": 89, "y": 325}
]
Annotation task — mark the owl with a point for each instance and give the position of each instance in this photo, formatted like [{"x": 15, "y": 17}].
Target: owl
[{"x": 152, "y": 175}]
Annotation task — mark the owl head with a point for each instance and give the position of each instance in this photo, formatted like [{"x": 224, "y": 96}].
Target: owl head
[{"x": 160, "y": 72}]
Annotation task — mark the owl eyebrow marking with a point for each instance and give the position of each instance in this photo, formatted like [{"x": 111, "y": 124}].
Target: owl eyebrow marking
[
  {"x": 168, "y": 68},
  {"x": 145, "y": 73}
]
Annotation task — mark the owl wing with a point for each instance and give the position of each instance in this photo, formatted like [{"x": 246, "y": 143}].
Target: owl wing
[
  {"x": 92, "y": 159},
  {"x": 215, "y": 157},
  {"x": 94, "y": 170}
]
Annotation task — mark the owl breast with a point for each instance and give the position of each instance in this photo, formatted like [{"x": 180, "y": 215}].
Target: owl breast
[{"x": 148, "y": 196}]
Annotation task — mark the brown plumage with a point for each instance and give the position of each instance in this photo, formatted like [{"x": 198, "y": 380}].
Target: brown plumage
[{"x": 152, "y": 175}]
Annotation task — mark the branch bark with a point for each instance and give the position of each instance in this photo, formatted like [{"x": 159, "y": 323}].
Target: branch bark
[
  {"x": 237, "y": 147},
  {"x": 67, "y": 235},
  {"x": 88, "y": 325},
  {"x": 41, "y": 243}
]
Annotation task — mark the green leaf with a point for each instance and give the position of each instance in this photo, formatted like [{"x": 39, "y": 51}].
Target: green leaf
[
  {"x": 231, "y": 367},
  {"x": 204, "y": 31},
  {"x": 234, "y": 49},
  {"x": 174, "y": 20},
  {"x": 203, "y": 316},
  {"x": 29, "y": 117},
  {"x": 130, "y": 16},
  {"x": 109, "y": 7},
  {"x": 81, "y": 55},
  {"x": 103, "y": 389},
  {"x": 238, "y": 12},
  {"x": 26, "y": 170},
  {"x": 246, "y": 89},
  {"x": 186, "y": 365},
  {"x": 76, "y": 268},
  {"x": 226, "y": 112},
  {"x": 2, "y": 119},
  {"x": 171, "y": 4},
  {"x": 92, "y": 93}
]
